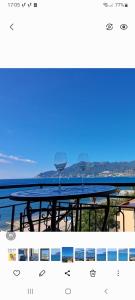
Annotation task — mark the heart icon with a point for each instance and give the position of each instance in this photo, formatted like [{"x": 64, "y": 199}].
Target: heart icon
[{"x": 16, "y": 272}]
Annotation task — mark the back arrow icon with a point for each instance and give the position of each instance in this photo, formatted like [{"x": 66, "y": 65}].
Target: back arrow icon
[
  {"x": 11, "y": 26},
  {"x": 106, "y": 291}
]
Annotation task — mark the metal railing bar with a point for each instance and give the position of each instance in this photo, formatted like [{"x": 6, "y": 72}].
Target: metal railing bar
[
  {"x": 117, "y": 184},
  {"x": 13, "y": 218},
  {"x": 17, "y": 204},
  {"x": 4, "y": 197}
]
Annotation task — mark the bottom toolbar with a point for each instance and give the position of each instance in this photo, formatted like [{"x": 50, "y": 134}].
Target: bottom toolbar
[{"x": 61, "y": 265}]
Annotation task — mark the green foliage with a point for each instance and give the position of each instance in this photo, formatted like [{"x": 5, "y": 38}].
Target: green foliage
[{"x": 92, "y": 220}]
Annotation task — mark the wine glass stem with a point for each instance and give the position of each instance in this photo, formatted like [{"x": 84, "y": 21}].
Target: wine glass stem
[{"x": 60, "y": 181}]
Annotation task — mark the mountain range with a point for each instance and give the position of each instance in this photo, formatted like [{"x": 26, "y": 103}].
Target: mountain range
[{"x": 95, "y": 169}]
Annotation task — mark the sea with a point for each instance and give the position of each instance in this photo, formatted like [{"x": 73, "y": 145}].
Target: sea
[
  {"x": 112, "y": 255},
  {"x": 5, "y": 213},
  {"x": 55, "y": 257}
]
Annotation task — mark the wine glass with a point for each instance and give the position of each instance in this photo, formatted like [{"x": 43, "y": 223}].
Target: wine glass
[
  {"x": 60, "y": 162},
  {"x": 83, "y": 163}
]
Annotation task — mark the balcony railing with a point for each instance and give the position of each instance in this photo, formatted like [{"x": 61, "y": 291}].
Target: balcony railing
[{"x": 13, "y": 215}]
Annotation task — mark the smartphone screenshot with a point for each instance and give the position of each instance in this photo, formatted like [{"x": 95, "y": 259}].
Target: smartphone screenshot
[{"x": 67, "y": 149}]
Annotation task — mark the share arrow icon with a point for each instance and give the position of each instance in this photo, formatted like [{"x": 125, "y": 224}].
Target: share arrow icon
[{"x": 67, "y": 273}]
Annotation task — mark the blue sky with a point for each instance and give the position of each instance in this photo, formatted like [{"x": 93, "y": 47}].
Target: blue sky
[
  {"x": 90, "y": 251},
  {"x": 67, "y": 251},
  {"x": 82, "y": 110},
  {"x": 55, "y": 251},
  {"x": 132, "y": 251}
]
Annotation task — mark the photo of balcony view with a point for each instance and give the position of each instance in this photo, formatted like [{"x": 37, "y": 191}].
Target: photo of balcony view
[{"x": 67, "y": 151}]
